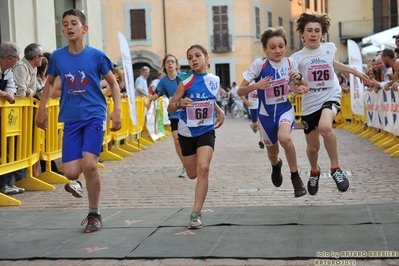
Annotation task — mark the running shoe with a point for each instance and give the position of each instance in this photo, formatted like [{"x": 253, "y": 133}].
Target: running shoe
[
  {"x": 183, "y": 172},
  {"x": 254, "y": 128},
  {"x": 75, "y": 189},
  {"x": 313, "y": 183},
  {"x": 340, "y": 179},
  {"x": 299, "y": 188},
  {"x": 261, "y": 144},
  {"x": 94, "y": 222},
  {"x": 195, "y": 220},
  {"x": 277, "y": 178}
]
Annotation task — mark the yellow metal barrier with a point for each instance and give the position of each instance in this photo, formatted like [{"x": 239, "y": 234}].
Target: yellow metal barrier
[
  {"x": 51, "y": 144},
  {"x": 136, "y": 130},
  {"x": 19, "y": 150},
  {"x": 20, "y": 144},
  {"x": 106, "y": 154},
  {"x": 296, "y": 102},
  {"x": 123, "y": 133}
]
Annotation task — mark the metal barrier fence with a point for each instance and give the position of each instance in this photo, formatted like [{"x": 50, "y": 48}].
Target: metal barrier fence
[{"x": 22, "y": 144}]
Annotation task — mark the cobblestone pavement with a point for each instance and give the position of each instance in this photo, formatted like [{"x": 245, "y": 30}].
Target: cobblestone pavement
[{"x": 239, "y": 176}]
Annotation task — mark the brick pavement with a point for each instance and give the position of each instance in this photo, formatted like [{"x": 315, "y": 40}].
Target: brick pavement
[{"x": 239, "y": 176}]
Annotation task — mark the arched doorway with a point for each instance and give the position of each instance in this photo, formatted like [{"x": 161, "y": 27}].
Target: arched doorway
[{"x": 142, "y": 58}]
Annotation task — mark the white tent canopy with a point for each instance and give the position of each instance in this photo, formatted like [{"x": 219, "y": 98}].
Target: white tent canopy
[
  {"x": 369, "y": 52},
  {"x": 382, "y": 37},
  {"x": 378, "y": 42}
]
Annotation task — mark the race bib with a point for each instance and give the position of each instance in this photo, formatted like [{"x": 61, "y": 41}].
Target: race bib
[
  {"x": 320, "y": 76},
  {"x": 200, "y": 114},
  {"x": 278, "y": 91}
]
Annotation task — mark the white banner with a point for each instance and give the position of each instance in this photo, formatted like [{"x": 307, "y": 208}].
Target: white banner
[
  {"x": 383, "y": 110},
  {"x": 165, "y": 103},
  {"x": 151, "y": 121},
  {"x": 357, "y": 88},
  {"x": 128, "y": 73}
]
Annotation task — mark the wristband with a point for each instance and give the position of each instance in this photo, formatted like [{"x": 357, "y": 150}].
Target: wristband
[
  {"x": 300, "y": 76},
  {"x": 178, "y": 104}
]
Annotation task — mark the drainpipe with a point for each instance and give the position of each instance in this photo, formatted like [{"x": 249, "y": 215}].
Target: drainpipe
[{"x": 164, "y": 27}]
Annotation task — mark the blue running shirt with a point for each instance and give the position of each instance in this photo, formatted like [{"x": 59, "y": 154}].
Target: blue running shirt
[
  {"x": 274, "y": 101},
  {"x": 81, "y": 95},
  {"x": 199, "y": 119}
]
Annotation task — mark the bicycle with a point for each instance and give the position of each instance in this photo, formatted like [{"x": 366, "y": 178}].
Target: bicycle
[{"x": 237, "y": 108}]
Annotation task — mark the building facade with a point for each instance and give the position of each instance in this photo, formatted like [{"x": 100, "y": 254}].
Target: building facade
[{"x": 229, "y": 29}]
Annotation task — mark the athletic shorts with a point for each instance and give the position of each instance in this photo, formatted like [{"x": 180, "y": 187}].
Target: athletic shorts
[
  {"x": 310, "y": 122},
  {"x": 254, "y": 115},
  {"x": 82, "y": 136},
  {"x": 189, "y": 145},
  {"x": 173, "y": 123},
  {"x": 270, "y": 125}
]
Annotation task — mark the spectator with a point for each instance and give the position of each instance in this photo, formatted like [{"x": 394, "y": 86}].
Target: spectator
[
  {"x": 388, "y": 57},
  {"x": 345, "y": 88},
  {"x": 9, "y": 56},
  {"x": 25, "y": 70},
  {"x": 120, "y": 79},
  {"x": 397, "y": 52},
  {"x": 141, "y": 84},
  {"x": 41, "y": 77},
  {"x": 155, "y": 82}
]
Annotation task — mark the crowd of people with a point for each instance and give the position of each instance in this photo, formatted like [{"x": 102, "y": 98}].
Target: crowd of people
[{"x": 197, "y": 106}]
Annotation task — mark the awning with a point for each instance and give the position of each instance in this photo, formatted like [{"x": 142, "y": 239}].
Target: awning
[{"x": 382, "y": 37}]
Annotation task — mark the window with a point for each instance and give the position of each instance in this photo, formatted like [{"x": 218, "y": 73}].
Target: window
[
  {"x": 385, "y": 14},
  {"x": 269, "y": 19},
  {"x": 221, "y": 39},
  {"x": 137, "y": 24},
  {"x": 315, "y": 5},
  {"x": 257, "y": 22},
  {"x": 59, "y": 7},
  {"x": 137, "y": 18},
  {"x": 307, "y": 3},
  {"x": 280, "y": 21},
  {"x": 292, "y": 42},
  {"x": 223, "y": 72}
]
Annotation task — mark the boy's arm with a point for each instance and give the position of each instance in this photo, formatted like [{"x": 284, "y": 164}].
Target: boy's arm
[
  {"x": 115, "y": 116},
  {"x": 41, "y": 120},
  {"x": 338, "y": 66}
]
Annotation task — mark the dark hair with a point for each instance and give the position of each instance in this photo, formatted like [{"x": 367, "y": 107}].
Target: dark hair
[
  {"x": 47, "y": 55},
  {"x": 32, "y": 50},
  {"x": 203, "y": 50},
  {"x": 272, "y": 32},
  {"x": 74, "y": 12},
  {"x": 389, "y": 53},
  {"x": 42, "y": 68},
  {"x": 323, "y": 19},
  {"x": 396, "y": 50}
]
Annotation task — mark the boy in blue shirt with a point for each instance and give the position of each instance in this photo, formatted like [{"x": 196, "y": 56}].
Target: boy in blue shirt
[{"x": 83, "y": 107}]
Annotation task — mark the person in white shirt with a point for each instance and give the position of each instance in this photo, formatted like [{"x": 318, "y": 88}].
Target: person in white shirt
[
  {"x": 321, "y": 104},
  {"x": 141, "y": 84}
]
